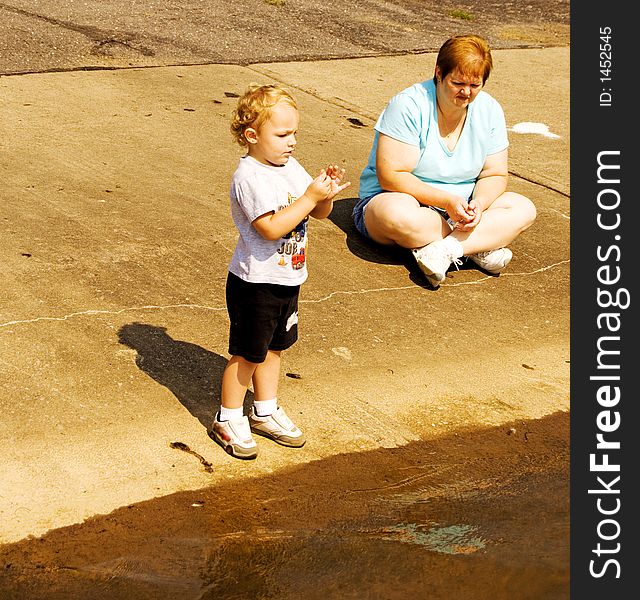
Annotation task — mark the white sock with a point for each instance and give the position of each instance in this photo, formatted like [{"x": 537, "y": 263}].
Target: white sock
[
  {"x": 264, "y": 408},
  {"x": 229, "y": 414},
  {"x": 454, "y": 246}
]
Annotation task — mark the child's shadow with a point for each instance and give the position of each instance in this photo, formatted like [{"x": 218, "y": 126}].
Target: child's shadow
[
  {"x": 369, "y": 250},
  {"x": 192, "y": 373}
]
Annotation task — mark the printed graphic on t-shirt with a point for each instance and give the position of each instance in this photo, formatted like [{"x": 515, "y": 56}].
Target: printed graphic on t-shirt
[{"x": 292, "y": 250}]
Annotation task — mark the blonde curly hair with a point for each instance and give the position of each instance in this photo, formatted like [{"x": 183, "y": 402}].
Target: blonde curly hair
[{"x": 254, "y": 108}]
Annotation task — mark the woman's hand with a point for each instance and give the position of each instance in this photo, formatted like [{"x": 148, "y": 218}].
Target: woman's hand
[
  {"x": 474, "y": 210},
  {"x": 461, "y": 212}
]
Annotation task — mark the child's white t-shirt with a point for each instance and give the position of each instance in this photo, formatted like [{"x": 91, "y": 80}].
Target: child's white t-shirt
[{"x": 257, "y": 189}]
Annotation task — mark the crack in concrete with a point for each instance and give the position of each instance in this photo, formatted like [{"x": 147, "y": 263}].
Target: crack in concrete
[
  {"x": 335, "y": 101},
  {"x": 107, "y": 312},
  {"x": 416, "y": 287},
  {"x": 304, "y": 301},
  {"x": 555, "y": 210},
  {"x": 539, "y": 182},
  {"x": 524, "y": 273}
]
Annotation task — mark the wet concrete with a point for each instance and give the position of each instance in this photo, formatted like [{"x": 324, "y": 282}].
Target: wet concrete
[{"x": 475, "y": 515}]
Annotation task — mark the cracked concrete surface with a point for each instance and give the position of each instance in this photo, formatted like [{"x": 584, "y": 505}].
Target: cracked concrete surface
[
  {"x": 116, "y": 239},
  {"x": 93, "y": 312}
]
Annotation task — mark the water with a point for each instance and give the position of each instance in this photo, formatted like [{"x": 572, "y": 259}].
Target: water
[{"x": 474, "y": 516}]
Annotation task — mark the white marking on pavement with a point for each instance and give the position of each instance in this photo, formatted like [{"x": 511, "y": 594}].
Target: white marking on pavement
[
  {"x": 536, "y": 128},
  {"x": 342, "y": 352}
]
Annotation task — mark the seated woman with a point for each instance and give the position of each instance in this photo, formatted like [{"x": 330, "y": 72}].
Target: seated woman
[{"x": 437, "y": 173}]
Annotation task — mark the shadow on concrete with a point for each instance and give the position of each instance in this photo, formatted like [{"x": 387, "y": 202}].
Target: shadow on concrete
[
  {"x": 190, "y": 372},
  {"x": 472, "y": 515},
  {"x": 359, "y": 245}
]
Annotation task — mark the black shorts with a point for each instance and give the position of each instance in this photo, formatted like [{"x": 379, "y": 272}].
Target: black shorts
[{"x": 263, "y": 316}]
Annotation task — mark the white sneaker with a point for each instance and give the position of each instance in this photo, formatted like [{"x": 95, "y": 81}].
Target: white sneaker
[
  {"x": 278, "y": 427},
  {"x": 492, "y": 261},
  {"x": 235, "y": 437},
  {"x": 434, "y": 260}
]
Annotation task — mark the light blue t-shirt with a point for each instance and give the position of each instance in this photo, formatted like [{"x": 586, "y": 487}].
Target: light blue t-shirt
[{"x": 411, "y": 117}]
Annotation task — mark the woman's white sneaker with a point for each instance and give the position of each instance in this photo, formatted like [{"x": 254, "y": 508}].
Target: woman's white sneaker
[
  {"x": 435, "y": 258},
  {"x": 492, "y": 261}
]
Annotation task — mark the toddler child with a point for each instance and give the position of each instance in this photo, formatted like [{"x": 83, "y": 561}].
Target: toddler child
[{"x": 272, "y": 197}]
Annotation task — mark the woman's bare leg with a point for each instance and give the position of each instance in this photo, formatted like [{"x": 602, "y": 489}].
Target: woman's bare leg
[
  {"x": 396, "y": 218},
  {"x": 506, "y": 218}
]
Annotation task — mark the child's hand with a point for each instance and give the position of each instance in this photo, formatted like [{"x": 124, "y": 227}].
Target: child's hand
[
  {"x": 327, "y": 186},
  {"x": 336, "y": 175},
  {"x": 320, "y": 188}
]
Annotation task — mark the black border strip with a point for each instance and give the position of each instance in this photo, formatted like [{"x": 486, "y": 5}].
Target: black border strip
[{"x": 604, "y": 503}]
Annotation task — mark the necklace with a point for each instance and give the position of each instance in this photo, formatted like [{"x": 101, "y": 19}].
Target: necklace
[{"x": 444, "y": 126}]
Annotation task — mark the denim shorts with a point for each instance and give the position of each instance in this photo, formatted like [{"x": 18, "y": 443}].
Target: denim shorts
[
  {"x": 358, "y": 215},
  {"x": 361, "y": 205}
]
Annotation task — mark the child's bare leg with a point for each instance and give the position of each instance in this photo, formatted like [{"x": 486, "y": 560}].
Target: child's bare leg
[
  {"x": 266, "y": 417},
  {"x": 265, "y": 384},
  {"x": 235, "y": 381},
  {"x": 230, "y": 428},
  {"x": 266, "y": 377}
]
